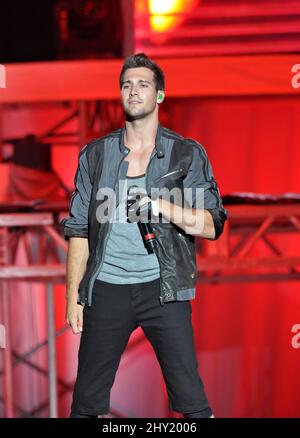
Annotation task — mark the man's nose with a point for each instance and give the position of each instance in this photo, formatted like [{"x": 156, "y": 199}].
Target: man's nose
[{"x": 133, "y": 91}]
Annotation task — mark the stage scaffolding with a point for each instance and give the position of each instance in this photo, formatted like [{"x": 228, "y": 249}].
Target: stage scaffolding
[
  {"x": 231, "y": 259},
  {"x": 45, "y": 264}
]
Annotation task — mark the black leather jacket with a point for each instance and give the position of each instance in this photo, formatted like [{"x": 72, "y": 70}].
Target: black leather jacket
[{"x": 175, "y": 162}]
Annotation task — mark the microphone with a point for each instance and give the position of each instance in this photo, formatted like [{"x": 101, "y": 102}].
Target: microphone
[
  {"x": 148, "y": 236},
  {"x": 144, "y": 227}
]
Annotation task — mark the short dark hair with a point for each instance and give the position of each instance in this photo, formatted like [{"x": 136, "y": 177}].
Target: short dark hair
[{"x": 142, "y": 60}]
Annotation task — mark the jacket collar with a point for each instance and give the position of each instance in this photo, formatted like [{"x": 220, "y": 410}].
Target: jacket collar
[{"x": 159, "y": 146}]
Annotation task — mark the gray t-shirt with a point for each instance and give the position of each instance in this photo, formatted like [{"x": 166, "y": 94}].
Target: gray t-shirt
[{"x": 126, "y": 260}]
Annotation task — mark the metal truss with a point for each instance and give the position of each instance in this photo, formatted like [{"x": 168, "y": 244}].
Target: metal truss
[
  {"x": 233, "y": 258},
  {"x": 45, "y": 251},
  {"x": 94, "y": 118}
]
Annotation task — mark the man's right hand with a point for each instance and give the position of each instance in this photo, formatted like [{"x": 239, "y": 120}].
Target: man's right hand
[
  {"x": 138, "y": 205},
  {"x": 74, "y": 316}
]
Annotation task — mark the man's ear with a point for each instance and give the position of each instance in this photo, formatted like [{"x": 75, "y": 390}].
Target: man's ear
[{"x": 160, "y": 96}]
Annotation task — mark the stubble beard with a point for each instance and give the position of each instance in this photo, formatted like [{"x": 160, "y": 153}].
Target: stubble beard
[
  {"x": 138, "y": 116},
  {"x": 130, "y": 117}
]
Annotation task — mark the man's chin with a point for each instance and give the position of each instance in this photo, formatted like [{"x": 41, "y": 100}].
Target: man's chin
[{"x": 131, "y": 117}]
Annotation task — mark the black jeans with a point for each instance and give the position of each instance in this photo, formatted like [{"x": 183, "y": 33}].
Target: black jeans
[{"x": 116, "y": 311}]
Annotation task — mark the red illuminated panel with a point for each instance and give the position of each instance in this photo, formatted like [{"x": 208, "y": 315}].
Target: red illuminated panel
[
  {"x": 215, "y": 27},
  {"x": 165, "y": 15}
]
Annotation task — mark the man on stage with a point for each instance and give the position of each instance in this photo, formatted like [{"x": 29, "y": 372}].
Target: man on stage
[{"x": 131, "y": 258}]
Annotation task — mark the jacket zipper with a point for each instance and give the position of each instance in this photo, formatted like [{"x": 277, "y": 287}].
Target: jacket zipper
[
  {"x": 173, "y": 172},
  {"x": 170, "y": 174},
  {"x": 94, "y": 276}
]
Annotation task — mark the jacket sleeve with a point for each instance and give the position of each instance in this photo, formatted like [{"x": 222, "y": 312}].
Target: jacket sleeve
[
  {"x": 76, "y": 225},
  {"x": 204, "y": 189}
]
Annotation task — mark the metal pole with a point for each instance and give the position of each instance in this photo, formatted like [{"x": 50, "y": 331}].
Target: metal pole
[
  {"x": 52, "y": 377},
  {"x": 127, "y": 8},
  {"x": 83, "y": 122},
  {"x": 7, "y": 354}
]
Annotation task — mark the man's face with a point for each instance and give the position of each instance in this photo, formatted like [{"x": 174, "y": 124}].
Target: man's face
[{"x": 138, "y": 93}]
